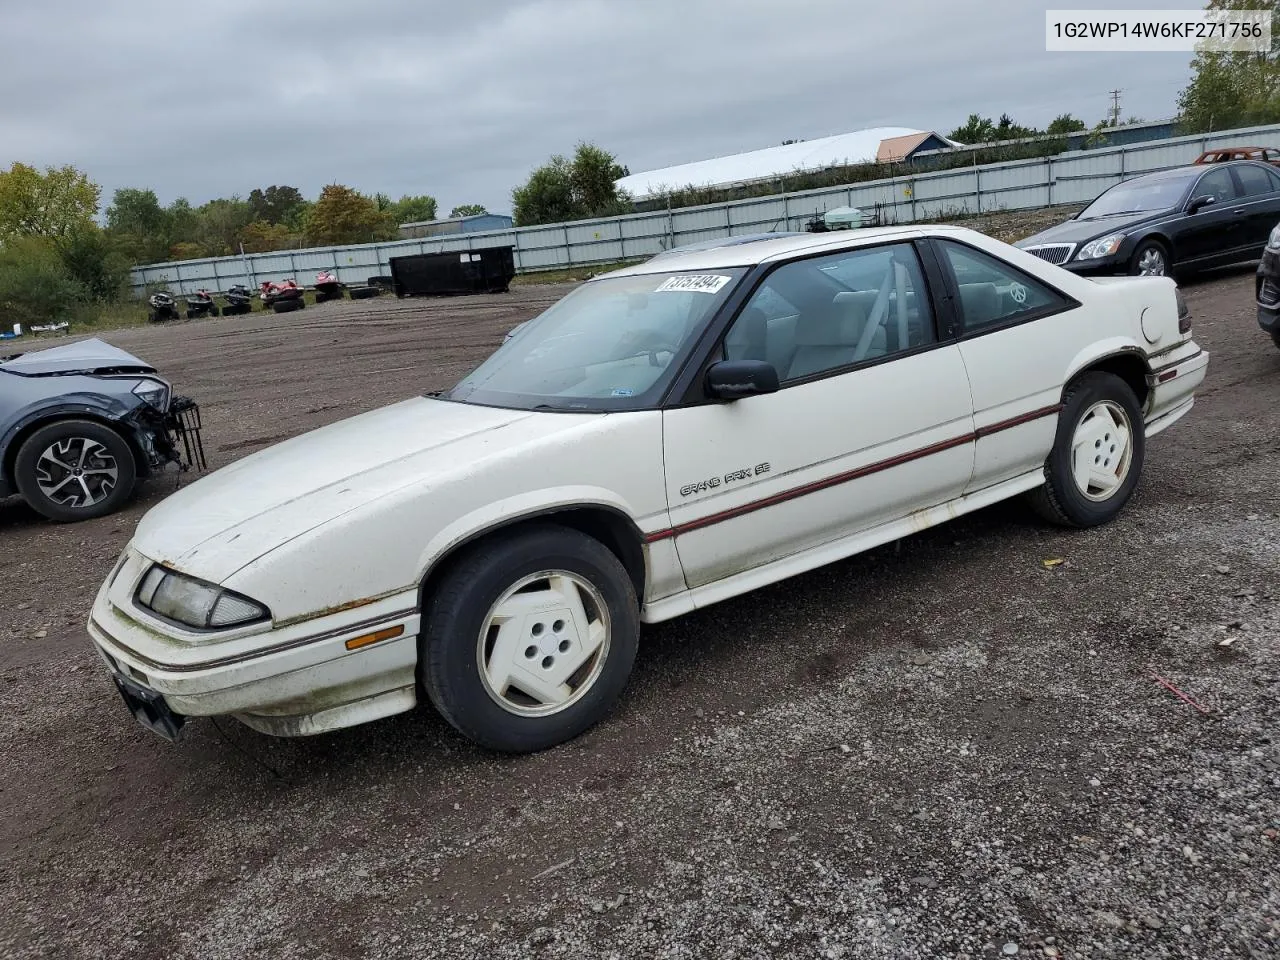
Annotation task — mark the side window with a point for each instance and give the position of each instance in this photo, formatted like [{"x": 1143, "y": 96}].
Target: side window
[
  {"x": 992, "y": 292},
  {"x": 811, "y": 316},
  {"x": 1257, "y": 181},
  {"x": 1216, "y": 184}
]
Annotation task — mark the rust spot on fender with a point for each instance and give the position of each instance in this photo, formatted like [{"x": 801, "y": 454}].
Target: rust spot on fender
[{"x": 328, "y": 611}]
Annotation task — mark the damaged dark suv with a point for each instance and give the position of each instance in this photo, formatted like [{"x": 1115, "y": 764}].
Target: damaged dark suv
[{"x": 80, "y": 425}]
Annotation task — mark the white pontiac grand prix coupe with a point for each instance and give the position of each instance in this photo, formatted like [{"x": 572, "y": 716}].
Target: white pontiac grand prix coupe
[{"x": 663, "y": 438}]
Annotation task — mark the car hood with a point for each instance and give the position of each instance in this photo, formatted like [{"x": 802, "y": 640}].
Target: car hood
[
  {"x": 1078, "y": 231},
  {"x": 91, "y": 356},
  {"x": 234, "y": 515}
]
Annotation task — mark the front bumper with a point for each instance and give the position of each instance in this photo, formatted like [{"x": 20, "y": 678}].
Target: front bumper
[
  {"x": 1101, "y": 267},
  {"x": 1267, "y": 291},
  {"x": 294, "y": 680},
  {"x": 171, "y": 437}
]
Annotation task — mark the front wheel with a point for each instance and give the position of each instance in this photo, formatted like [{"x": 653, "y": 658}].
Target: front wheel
[
  {"x": 1151, "y": 259},
  {"x": 530, "y": 638},
  {"x": 75, "y": 470},
  {"x": 1097, "y": 455}
]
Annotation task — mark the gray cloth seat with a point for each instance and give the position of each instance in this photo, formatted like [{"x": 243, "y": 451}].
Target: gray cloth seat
[
  {"x": 829, "y": 338},
  {"x": 981, "y": 302}
]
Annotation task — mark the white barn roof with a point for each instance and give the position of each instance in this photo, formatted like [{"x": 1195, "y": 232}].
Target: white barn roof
[{"x": 861, "y": 146}]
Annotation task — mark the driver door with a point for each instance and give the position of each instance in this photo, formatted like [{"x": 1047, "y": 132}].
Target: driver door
[
  {"x": 1212, "y": 232},
  {"x": 872, "y": 422}
]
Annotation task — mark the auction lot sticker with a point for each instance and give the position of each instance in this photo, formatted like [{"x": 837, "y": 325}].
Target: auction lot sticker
[{"x": 695, "y": 283}]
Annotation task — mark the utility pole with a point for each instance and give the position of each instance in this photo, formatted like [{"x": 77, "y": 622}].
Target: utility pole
[{"x": 1115, "y": 108}]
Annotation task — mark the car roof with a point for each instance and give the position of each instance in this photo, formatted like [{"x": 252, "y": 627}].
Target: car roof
[
  {"x": 1191, "y": 170},
  {"x": 776, "y": 247},
  {"x": 727, "y": 242}
]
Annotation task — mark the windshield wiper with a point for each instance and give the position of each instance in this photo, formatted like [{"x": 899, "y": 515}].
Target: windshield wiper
[{"x": 1116, "y": 213}]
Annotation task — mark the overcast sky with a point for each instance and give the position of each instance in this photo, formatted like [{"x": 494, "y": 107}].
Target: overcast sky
[{"x": 463, "y": 99}]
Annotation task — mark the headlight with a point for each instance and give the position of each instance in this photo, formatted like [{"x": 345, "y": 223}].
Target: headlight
[
  {"x": 1273, "y": 241},
  {"x": 154, "y": 393},
  {"x": 1102, "y": 247},
  {"x": 194, "y": 603}
]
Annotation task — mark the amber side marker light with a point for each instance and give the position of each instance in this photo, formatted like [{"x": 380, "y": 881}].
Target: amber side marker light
[{"x": 355, "y": 643}]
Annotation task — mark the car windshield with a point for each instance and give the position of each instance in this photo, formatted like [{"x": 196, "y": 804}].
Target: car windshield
[
  {"x": 612, "y": 344},
  {"x": 1140, "y": 196}
]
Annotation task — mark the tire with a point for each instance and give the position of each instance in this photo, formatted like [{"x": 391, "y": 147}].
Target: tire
[
  {"x": 1151, "y": 252},
  {"x": 35, "y": 473},
  {"x": 286, "y": 306},
  {"x": 1106, "y": 401},
  {"x": 450, "y": 648}
]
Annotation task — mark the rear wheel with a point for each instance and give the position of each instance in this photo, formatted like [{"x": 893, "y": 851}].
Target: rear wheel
[
  {"x": 1097, "y": 455},
  {"x": 75, "y": 470},
  {"x": 529, "y": 639}
]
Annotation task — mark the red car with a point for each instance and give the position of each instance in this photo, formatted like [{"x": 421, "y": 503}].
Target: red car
[{"x": 1223, "y": 154}]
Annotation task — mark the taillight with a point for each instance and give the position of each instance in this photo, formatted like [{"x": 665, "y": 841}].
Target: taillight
[{"x": 1184, "y": 312}]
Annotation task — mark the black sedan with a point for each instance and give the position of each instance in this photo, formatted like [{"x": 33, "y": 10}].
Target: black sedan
[
  {"x": 1185, "y": 219},
  {"x": 1268, "y": 287}
]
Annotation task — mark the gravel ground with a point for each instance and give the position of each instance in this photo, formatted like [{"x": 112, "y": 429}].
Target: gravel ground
[{"x": 942, "y": 748}]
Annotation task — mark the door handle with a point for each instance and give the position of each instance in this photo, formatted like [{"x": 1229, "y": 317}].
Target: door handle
[{"x": 1239, "y": 211}]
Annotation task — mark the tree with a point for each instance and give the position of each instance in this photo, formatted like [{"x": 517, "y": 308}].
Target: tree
[
  {"x": 35, "y": 284},
  {"x": 52, "y": 204},
  {"x": 93, "y": 261},
  {"x": 562, "y": 190},
  {"x": 275, "y": 204},
  {"x": 547, "y": 196},
  {"x": 343, "y": 215},
  {"x": 138, "y": 225},
  {"x": 467, "y": 210},
  {"x": 261, "y": 237},
  {"x": 414, "y": 209},
  {"x": 975, "y": 130},
  {"x": 1232, "y": 89},
  {"x": 221, "y": 224},
  {"x": 1065, "y": 123}
]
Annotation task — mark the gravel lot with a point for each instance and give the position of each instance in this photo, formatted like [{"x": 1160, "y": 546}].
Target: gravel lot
[{"x": 943, "y": 748}]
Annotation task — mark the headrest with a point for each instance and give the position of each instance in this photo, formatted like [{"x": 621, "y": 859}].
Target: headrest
[{"x": 838, "y": 325}]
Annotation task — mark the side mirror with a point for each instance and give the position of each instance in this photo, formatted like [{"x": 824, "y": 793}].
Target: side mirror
[
  {"x": 1200, "y": 202},
  {"x": 733, "y": 379}
]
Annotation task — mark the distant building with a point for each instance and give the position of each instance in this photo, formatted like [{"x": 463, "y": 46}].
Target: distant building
[
  {"x": 879, "y": 144},
  {"x": 439, "y": 228}
]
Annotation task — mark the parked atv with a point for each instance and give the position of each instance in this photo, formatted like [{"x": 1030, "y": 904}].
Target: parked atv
[
  {"x": 163, "y": 308},
  {"x": 328, "y": 286},
  {"x": 282, "y": 297},
  {"x": 239, "y": 300},
  {"x": 200, "y": 304}
]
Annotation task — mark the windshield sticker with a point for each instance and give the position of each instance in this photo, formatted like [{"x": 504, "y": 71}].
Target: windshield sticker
[
  {"x": 697, "y": 283},
  {"x": 622, "y": 392}
]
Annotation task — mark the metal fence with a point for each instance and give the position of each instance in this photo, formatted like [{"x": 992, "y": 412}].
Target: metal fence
[{"x": 1068, "y": 178}]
